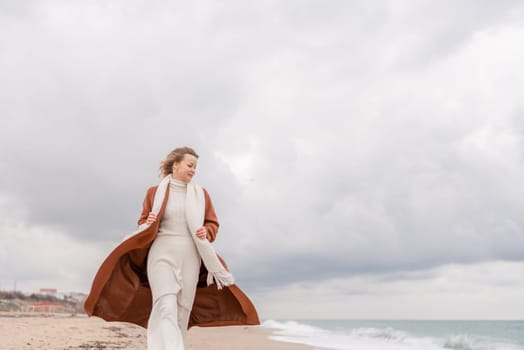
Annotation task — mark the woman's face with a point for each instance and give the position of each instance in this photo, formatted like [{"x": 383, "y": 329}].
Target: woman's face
[{"x": 185, "y": 169}]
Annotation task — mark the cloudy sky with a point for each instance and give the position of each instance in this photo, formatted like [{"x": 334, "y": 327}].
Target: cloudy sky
[{"x": 365, "y": 158}]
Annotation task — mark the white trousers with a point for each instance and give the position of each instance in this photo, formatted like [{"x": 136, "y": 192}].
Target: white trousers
[{"x": 173, "y": 266}]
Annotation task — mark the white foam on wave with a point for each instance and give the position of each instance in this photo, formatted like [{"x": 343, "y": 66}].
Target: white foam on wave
[
  {"x": 370, "y": 338},
  {"x": 292, "y": 327},
  {"x": 359, "y": 338}
]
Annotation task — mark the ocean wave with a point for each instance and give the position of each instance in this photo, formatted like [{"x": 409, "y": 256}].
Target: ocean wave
[
  {"x": 462, "y": 342},
  {"x": 387, "y": 333},
  {"x": 378, "y": 338},
  {"x": 358, "y": 338},
  {"x": 292, "y": 327},
  {"x": 467, "y": 342}
]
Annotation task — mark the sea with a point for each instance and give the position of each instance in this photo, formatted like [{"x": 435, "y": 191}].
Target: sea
[{"x": 400, "y": 335}]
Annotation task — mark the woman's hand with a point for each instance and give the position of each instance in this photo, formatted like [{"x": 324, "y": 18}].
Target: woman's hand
[
  {"x": 201, "y": 232},
  {"x": 151, "y": 218}
]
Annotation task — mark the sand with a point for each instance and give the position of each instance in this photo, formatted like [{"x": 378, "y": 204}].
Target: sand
[{"x": 61, "y": 331}]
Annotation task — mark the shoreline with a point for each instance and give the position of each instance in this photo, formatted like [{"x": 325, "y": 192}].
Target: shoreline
[{"x": 77, "y": 331}]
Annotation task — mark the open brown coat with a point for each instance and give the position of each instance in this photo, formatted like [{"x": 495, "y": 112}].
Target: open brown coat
[{"x": 120, "y": 290}]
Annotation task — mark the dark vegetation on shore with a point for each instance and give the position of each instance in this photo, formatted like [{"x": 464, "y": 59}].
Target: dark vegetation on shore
[{"x": 13, "y": 301}]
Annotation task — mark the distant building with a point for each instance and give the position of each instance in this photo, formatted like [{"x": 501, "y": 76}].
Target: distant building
[
  {"x": 48, "y": 291},
  {"x": 76, "y": 296},
  {"x": 45, "y": 307}
]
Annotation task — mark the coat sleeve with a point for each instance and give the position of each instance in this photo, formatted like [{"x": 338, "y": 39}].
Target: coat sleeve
[
  {"x": 147, "y": 205},
  {"x": 210, "y": 219}
]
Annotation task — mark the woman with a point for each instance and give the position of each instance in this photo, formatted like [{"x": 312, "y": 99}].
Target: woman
[{"x": 156, "y": 279}]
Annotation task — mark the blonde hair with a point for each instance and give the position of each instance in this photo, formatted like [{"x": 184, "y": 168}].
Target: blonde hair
[{"x": 175, "y": 156}]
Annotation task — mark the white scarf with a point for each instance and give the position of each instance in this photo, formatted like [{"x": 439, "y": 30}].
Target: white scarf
[{"x": 195, "y": 210}]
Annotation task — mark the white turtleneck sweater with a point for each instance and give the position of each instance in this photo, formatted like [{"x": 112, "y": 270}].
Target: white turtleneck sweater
[{"x": 174, "y": 222}]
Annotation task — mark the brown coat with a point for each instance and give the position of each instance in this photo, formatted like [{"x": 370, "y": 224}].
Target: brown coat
[{"x": 120, "y": 290}]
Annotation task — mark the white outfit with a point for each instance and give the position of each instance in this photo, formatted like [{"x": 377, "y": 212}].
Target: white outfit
[{"x": 173, "y": 267}]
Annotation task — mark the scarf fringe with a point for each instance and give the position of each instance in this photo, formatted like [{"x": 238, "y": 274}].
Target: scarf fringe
[
  {"x": 216, "y": 271},
  {"x": 221, "y": 278}
]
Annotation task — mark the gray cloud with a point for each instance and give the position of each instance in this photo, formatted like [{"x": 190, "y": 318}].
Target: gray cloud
[{"x": 335, "y": 139}]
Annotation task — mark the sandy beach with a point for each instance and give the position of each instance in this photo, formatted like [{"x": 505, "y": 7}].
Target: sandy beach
[{"x": 20, "y": 331}]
